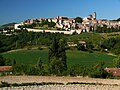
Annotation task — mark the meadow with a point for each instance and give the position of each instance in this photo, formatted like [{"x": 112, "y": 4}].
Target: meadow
[{"x": 73, "y": 57}]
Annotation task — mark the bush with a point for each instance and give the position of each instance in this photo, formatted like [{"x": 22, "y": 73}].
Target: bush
[
  {"x": 98, "y": 71},
  {"x": 99, "y": 74},
  {"x": 20, "y": 69},
  {"x": 78, "y": 70},
  {"x": 33, "y": 71}
]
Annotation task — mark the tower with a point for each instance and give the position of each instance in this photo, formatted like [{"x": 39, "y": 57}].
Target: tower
[{"x": 94, "y": 16}]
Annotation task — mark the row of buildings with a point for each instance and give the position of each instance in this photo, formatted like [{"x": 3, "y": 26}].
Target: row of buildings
[{"x": 88, "y": 24}]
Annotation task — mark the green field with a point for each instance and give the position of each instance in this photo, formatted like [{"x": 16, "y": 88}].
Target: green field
[{"x": 73, "y": 57}]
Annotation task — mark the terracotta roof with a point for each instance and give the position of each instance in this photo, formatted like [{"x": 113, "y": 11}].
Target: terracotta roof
[
  {"x": 5, "y": 68},
  {"x": 115, "y": 71}
]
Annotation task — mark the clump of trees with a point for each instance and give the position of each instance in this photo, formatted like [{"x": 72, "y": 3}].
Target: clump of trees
[
  {"x": 98, "y": 71},
  {"x": 112, "y": 44},
  {"x": 24, "y": 38},
  {"x": 105, "y": 29}
]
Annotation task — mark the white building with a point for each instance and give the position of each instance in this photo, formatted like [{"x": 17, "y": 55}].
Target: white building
[{"x": 16, "y": 26}]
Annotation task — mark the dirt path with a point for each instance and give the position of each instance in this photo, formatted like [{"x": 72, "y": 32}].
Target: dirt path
[{"x": 39, "y": 79}]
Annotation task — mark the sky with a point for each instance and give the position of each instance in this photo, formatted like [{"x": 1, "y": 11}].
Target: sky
[{"x": 20, "y": 10}]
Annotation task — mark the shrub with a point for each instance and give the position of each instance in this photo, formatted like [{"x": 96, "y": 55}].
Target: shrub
[
  {"x": 78, "y": 70},
  {"x": 99, "y": 74},
  {"x": 98, "y": 71}
]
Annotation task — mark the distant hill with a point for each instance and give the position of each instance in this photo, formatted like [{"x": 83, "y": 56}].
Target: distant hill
[
  {"x": 116, "y": 19},
  {"x": 8, "y": 25}
]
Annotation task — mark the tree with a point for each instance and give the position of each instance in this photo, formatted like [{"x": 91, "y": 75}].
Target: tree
[
  {"x": 116, "y": 62},
  {"x": 40, "y": 63},
  {"x": 51, "y": 24},
  {"x": 53, "y": 49},
  {"x": 57, "y": 57},
  {"x": 116, "y": 49},
  {"x": 56, "y": 66},
  {"x": 90, "y": 46},
  {"x": 78, "y": 19},
  {"x": 14, "y": 62},
  {"x": 62, "y": 53},
  {"x": 44, "y": 22},
  {"x": 2, "y": 61},
  {"x": 109, "y": 43}
]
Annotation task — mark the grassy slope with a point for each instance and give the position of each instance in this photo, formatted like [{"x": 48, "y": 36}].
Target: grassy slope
[
  {"x": 27, "y": 56},
  {"x": 73, "y": 57},
  {"x": 85, "y": 58}
]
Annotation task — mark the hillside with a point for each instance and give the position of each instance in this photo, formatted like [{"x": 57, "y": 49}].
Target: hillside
[
  {"x": 8, "y": 25},
  {"x": 73, "y": 57}
]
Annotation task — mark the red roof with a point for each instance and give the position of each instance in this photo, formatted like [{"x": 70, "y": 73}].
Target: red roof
[
  {"x": 5, "y": 68},
  {"x": 115, "y": 71}
]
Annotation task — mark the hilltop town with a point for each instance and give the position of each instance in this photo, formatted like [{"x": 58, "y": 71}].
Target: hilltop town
[{"x": 71, "y": 25}]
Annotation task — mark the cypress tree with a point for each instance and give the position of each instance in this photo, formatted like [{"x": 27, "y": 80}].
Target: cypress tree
[
  {"x": 53, "y": 49},
  {"x": 57, "y": 57}
]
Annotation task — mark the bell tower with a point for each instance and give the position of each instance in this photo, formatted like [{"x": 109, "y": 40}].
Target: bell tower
[{"x": 94, "y": 16}]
